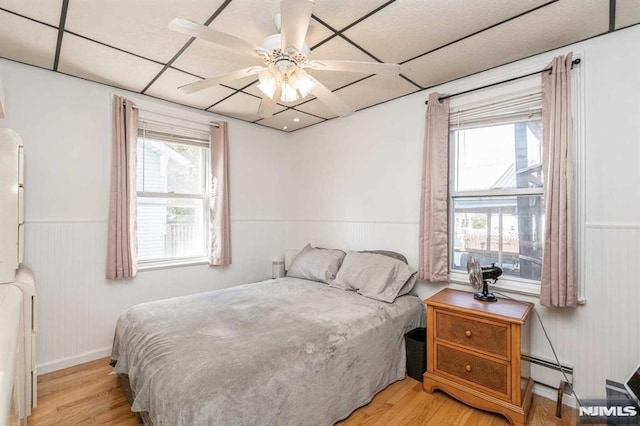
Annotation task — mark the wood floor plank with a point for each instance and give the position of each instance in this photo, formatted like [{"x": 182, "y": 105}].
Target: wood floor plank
[{"x": 88, "y": 394}]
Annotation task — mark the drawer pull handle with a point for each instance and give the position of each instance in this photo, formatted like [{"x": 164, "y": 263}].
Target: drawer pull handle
[
  {"x": 468, "y": 333},
  {"x": 467, "y": 367}
]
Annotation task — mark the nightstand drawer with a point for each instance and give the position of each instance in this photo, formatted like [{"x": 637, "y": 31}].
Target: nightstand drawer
[
  {"x": 485, "y": 373},
  {"x": 481, "y": 335}
]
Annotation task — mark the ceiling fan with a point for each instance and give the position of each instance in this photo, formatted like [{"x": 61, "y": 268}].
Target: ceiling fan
[{"x": 285, "y": 57}]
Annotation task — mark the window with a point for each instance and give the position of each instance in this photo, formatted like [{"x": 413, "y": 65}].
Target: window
[
  {"x": 496, "y": 186},
  {"x": 172, "y": 191}
]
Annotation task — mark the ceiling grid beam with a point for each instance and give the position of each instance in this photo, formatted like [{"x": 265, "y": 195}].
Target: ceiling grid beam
[
  {"x": 63, "y": 20},
  {"x": 113, "y": 47},
  {"x": 186, "y": 45},
  {"x": 27, "y": 18},
  {"x": 354, "y": 23},
  {"x": 356, "y": 45},
  {"x": 612, "y": 15},
  {"x": 480, "y": 31}
]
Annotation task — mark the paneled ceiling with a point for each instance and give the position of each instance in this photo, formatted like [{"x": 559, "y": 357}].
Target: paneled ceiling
[{"x": 127, "y": 44}]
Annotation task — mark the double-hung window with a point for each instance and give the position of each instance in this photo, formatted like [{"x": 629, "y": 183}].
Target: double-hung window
[
  {"x": 173, "y": 194},
  {"x": 496, "y": 187}
]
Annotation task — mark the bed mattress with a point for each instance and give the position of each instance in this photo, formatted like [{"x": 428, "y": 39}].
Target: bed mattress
[{"x": 277, "y": 352}]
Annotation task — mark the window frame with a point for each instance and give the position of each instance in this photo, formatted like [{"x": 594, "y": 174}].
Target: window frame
[
  {"x": 506, "y": 282},
  {"x": 494, "y": 79},
  {"x": 175, "y": 138}
]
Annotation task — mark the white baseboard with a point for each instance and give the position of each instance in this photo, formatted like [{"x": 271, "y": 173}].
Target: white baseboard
[
  {"x": 552, "y": 394},
  {"x": 59, "y": 364}
]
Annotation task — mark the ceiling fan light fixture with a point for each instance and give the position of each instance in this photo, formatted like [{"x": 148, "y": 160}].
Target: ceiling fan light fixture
[
  {"x": 268, "y": 83},
  {"x": 294, "y": 85},
  {"x": 288, "y": 93},
  {"x": 302, "y": 83}
]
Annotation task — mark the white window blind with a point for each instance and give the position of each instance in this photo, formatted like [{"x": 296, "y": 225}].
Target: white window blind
[
  {"x": 172, "y": 133},
  {"x": 523, "y": 106}
]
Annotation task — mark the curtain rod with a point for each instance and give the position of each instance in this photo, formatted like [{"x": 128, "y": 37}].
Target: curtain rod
[
  {"x": 574, "y": 62},
  {"x": 177, "y": 118}
]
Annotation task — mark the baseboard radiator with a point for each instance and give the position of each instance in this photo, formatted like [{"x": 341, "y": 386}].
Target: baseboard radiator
[{"x": 549, "y": 373}]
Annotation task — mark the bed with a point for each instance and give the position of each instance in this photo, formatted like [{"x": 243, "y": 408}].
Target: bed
[{"x": 287, "y": 351}]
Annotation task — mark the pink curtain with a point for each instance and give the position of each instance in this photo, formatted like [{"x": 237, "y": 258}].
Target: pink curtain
[
  {"x": 220, "y": 218},
  {"x": 558, "y": 282},
  {"x": 434, "y": 236},
  {"x": 122, "y": 259}
]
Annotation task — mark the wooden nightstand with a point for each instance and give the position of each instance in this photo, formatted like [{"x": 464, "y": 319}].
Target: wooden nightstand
[{"x": 473, "y": 352}]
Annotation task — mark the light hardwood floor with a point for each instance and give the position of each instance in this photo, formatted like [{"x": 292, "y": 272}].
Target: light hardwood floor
[{"x": 87, "y": 394}]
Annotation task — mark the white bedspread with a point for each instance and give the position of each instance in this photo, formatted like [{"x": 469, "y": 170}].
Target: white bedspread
[{"x": 278, "y": 352}]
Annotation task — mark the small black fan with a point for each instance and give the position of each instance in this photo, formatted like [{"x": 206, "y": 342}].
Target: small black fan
[{"x": 478, "y": 277}]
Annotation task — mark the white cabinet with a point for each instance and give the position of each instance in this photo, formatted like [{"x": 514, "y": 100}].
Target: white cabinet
[
  {"x": 11, "y": 207},
  {"x": 28, "y": 380},
  {"x": 16, "y": 277},
  {"x": 11, "y": 361}
]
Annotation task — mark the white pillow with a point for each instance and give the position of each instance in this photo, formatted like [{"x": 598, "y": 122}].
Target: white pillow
[
  {"x": 375, "y": 276},
  {"x": 316, "y": 264}
]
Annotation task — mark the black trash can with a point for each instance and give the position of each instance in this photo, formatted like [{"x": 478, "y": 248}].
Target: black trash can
[{"x": 415, "y": 342}]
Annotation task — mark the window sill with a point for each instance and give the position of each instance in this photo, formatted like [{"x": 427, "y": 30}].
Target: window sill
[
  {"x": 176, "y": 263},
  {"x": 527, "y": 288}
]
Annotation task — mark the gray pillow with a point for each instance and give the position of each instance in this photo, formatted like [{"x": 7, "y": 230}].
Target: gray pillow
[
  {"x": 393, "y": 254},
  {"x": 316, "y": 264},
  {"x": 375, "y": 276}
]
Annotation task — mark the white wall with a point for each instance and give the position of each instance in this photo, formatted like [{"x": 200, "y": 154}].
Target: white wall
[
  {"x": 355, "y": 184},
  {"x": 65, "y": 124}
]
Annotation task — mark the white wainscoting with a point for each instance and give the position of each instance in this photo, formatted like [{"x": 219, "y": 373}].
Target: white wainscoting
[{"x": 79, "y": 307}]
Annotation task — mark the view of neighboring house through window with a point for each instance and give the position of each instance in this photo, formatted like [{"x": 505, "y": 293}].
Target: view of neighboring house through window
[
  {"x": 172, "y": 194},
  {"x": 497, "y": 211}
]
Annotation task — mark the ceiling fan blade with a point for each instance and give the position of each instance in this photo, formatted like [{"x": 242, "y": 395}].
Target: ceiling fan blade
[
  {"x": 268, "y": 105},
  {"x": 193, "y": 29},
  {"x": 330, "y": 99},
  {"x": 355, "y": 66},
  {"x": 294, "y": 22},
  {"x": 220, "y": 79}
]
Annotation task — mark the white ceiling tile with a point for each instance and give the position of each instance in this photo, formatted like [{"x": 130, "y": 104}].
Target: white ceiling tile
[
  {"x": 556, "y": 25},
  {"x": 45, "y": 11},
  {"x": 95, "y": 62},
  {"x": 140, "y": 27},
  {"x": 415, "y": 27},
  {"x": 341, "y": 13},
  {"x": 242, "y": 106},
  {"x": 315, "y": 107},
  {"x": 39, "y": 48},
  {"x": 287, "y": 120},
  {"x": 627, "y": 13},
  {"x": 317, "y": 33},
  {"x": 166, "y": 87},
  {"x": 379, "y": 88}
]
